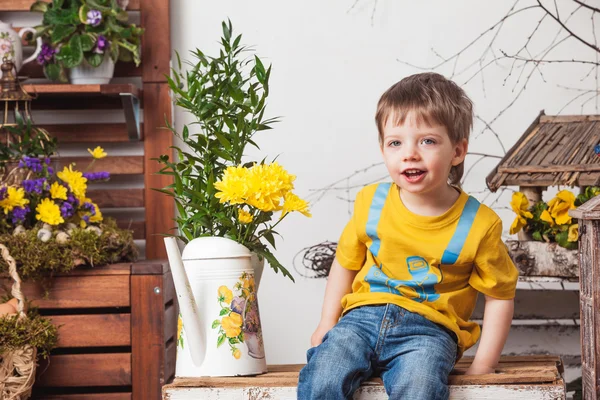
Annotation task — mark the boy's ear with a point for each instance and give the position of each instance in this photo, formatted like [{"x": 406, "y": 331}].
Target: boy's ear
[{"x": 460, "y": 152}]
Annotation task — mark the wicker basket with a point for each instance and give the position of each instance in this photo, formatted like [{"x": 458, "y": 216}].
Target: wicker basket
[
  {"x": 12, "y": 174},
  {"x": 17, "y": 367}
]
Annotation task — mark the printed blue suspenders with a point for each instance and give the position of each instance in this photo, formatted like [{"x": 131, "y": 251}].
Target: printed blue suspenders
[{"x": 423, "y": 279}]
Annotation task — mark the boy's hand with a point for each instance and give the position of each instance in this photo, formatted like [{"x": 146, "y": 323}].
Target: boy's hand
[
  {"x": 322, "y": 329},
  {"x": 476, "y": 369}
]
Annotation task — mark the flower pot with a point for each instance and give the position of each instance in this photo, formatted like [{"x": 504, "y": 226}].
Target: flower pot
[{"x": 85, "y": 74}]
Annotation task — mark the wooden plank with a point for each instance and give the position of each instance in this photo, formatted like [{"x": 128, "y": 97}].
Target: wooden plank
[
  {"x": 138, "y": 227},
  {"x": 156, "y": 43},
  {"x": 122, "y": 69},
  {"x": 111, "y": 198},
  {"x": 64, "y": 89},
  {"x": 85, "y": 396},
  {"x": 80, "y": 292},
  {"x": 539, "y": 304},
  {"x": 170, "y": 358},
  {"x": 147, "y": 336},
  {"x": 160, "y": 210},
  {"x": 562, "y": 119},
  {"x": 528, "y": 169},
  {"x": 93, "y": 330},
  {"x": 159, "y": 267},
  {"x": 116, "y": 165},
  {"x": 85, "y": 133},
  {"x": 23, "y": 5},
  {"x": 48, "y": 102},
  {"x": 81, "y": 370},
  {"x": 170, "y": 325},
  {"x": 169, "y": 288}
]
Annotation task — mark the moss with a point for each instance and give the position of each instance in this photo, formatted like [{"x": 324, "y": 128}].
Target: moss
[
  {"x": 37, "y": 260},
  {"x": 34, "y": 330}
]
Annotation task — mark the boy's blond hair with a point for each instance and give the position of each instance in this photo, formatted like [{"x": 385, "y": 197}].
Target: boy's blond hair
[{"x": 435, "y": 100}]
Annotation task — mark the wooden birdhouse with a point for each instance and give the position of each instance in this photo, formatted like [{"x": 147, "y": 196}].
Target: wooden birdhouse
[
  {"x": 553, "y": 151},
  {"x": 589, "y": 295}
]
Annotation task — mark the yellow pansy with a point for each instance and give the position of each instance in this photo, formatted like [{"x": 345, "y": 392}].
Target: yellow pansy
[
  {"x": 294, "y": 203},
  {"x": 244, "y": 216},
  {"x": 98, "y": 216},
  {"x": 49, "y": 212},
  {"x": 237, "y": 354},
  {"x": 232, "y": 324},
  {"x": 14, "y": 198},
  {"x": 573, "y": 233},
  {"x": 545, "y": 216},
  {"x": 520, "y": 206},
  {"x": 58, "y": 191},
  {"x": 560, "y": 205},
  {"x": 517, "y": 224},
  {"x": 225, "y": 295},
  {"x": 97, "y": 153}
]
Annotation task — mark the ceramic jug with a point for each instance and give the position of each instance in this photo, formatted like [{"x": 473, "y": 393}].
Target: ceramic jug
[
  {"x": 216, "y": 287},
  {"x": 10, "y": 45}
]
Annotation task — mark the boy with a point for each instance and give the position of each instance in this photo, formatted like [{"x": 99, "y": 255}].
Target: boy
[{"x": 411, "y": 261}]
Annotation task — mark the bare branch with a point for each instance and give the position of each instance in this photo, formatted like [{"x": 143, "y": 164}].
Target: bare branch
[{"x": 581, "y": 3}]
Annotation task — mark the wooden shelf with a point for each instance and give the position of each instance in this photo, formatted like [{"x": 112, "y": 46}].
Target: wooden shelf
[
  {"x": 23, "y": 5},
  {"x": 60, "y": 89}
]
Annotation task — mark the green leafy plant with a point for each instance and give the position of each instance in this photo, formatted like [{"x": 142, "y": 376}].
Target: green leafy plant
[
  {"x": 24, "y": 139},
  {"x": 227, "y": 96},
  {"x": 77, "y": 31}
]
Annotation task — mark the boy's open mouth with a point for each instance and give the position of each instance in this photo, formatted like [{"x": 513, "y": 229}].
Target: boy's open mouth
[{"x": 413, "y": 175}]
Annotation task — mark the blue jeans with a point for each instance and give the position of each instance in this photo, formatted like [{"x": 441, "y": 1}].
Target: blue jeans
[{"x": 413, "y": 356}]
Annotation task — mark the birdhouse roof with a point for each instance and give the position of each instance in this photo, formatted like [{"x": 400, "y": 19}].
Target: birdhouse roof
[{"x": 554, "y": 150}]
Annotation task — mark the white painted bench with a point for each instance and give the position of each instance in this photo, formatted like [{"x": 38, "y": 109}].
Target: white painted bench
[{"x": 518, "y": 377}]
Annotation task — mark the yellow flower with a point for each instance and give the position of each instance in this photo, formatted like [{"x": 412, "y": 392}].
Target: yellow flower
[
  {"x": 244, "y": 216},
  {"x": 233, "y": 187},
  {"x": 58, "y": 191},
  {"x": 97, "y": 153},
  {"x": 560, "y": 205},
  {"x": 520, "y": 206},
  {"x": 573, "y": 233},
  {"x": 232, "y": 324},
  {"x": 49, "y": 212},
  {"x": 225, "y": 295},
  {"x": 237, "y": 354},
  {"x": 179, "y": 327},
  {"x": 294, "y": 203},
  {"x": 545, "y": 216},
  {"x": 98, "y": 216},
  {"x": 75, "y": 180},
  {"x": 14, "y": 198},
  {"x": 268, "y": 184}
]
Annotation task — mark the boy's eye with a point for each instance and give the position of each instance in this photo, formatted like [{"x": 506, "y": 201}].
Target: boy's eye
[
  {"x": 394, "y": 143},
  {"x": 428, "y": 141}
]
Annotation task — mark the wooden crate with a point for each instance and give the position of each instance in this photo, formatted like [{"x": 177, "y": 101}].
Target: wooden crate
[
  {"x": 517, "y": 377},
  {"x": 117, "y": 332}
]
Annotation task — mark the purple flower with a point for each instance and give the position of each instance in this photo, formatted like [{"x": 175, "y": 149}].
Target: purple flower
[
  {"x": 67, "y": 210},
  {"x": 33, "y": 163},
  {"x": 86, "y": 218},
  {"x": 3, "y": 192},
  {"x": 238, "y": 304},
  {"x": 94, "y": 17},
  {"x": 101, "y": 44},
  {"x": 47, "y": 160},
  {"x": 46, "y": 54},
  {"x": 19, "y": 214},
  {"x": 89, "y": 206},
  {"x": 50, "y": 170},
  {"x": 34, "y": 185},
  {"x": 96, "y": 176}
]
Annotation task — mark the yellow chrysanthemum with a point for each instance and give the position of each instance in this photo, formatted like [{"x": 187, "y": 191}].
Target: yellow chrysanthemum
[
  {"x": 520, "y": 206},
  {"x": 268, "y": 184},
  {"x": 49, "y": 212},
  {"x": 233, "y": 187},
  {"x": 545, "y": 216},
  {"x": 295, "y": 203},
  {"x": 75, "y": 180},
  {"x": 97, "y": 153},
  {"x": 58, "y": 191},
  {"x": 14, "y": 198},
  {"x": 98, "y": 216},
  {"x": 232, "y": 324},
  {"x": 237, "y": 354},
  {"x": 560, "y": 205},
  {"x": 573, "y": 233},
  {"x": 225, "y": 295},
  {"x": 244, "y": 216}
]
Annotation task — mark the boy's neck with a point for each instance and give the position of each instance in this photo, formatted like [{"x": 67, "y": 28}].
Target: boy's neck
[{"x": 428, "y": 205}]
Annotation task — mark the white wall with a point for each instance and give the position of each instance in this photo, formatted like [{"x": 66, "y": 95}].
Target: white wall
[{"x": 331, "y": 62}]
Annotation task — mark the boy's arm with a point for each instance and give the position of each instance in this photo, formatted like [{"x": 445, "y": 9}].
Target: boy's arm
[
  {"x": 339, "y": 283},
  {"x": 497, "y": 319}
]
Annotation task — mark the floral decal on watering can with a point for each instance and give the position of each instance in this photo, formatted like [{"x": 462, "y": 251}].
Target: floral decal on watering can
[
  {"x": 6, "y": 46},
  {"x": 179, "y": 329},
  {"x": 240, "y": 321}
]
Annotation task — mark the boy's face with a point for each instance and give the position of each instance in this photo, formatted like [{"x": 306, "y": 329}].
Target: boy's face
[{"x": 419, "y": 157}]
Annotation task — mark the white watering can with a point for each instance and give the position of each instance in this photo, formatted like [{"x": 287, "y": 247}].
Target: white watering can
[
  {"x": 11, "y": 48},
  {"x": 216, "y": 287}
]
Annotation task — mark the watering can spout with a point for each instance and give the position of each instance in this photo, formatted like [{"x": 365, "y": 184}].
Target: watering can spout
[{"x": 192, "y": 324}]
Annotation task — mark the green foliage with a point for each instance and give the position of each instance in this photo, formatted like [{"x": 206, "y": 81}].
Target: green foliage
[
  {"x": 67, "y": 28},
  {"x": 227, "y": 96},
  {"x": 25, "y": 139},
  {"x": 37, "y": 260},
  {"x": 34, "y": 330}
]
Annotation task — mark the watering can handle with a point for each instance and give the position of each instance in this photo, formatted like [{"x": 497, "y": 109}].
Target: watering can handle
[
  {"x": 194, "y": 330},
  {"x": 38, "y": 42}
]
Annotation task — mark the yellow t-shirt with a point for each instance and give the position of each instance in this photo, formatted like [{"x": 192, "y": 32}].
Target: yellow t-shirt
[{"x": 433, "y": 266}]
